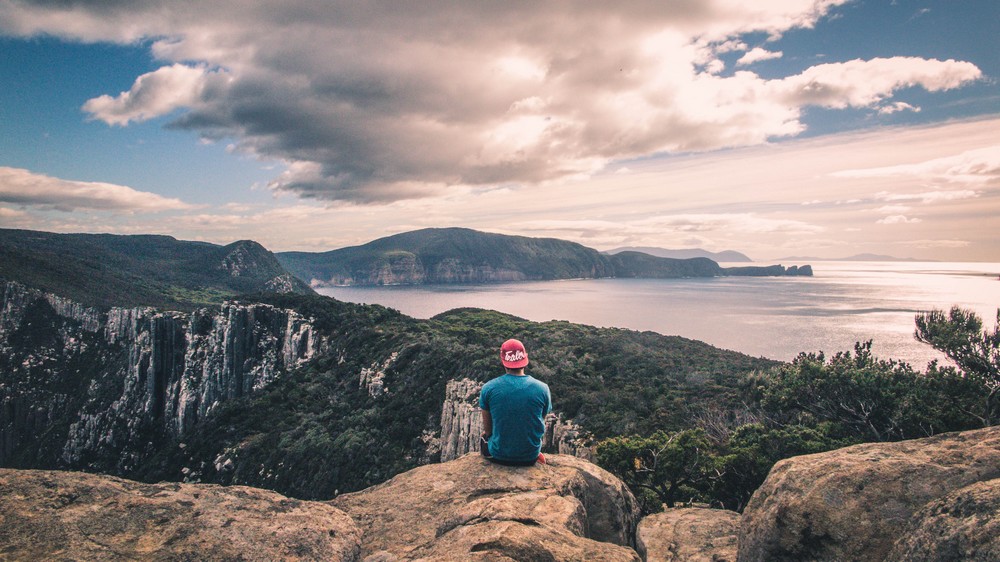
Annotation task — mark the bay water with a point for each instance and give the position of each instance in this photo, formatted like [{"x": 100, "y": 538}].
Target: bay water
[{"x": 775, "y": 317}]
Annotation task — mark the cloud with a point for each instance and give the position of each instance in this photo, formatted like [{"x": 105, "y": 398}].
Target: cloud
[
  {"x": 153, "y": 94},
  {"x": 860, "y": 83},
  {"x": 896, "y": 107},
  {"x": 927, "y": 196},
  {"x": 737, "y": 223},
  {"x": 367, "y": 102},
  {"x": 946, "y": 244},
  {"x": 893, "y": 209},
  {"x": 897, "y": 219},
  {"x": 23, "y": 187},
  {"x": 972, "y": 167},
  {"x": 757, "y": 54}
]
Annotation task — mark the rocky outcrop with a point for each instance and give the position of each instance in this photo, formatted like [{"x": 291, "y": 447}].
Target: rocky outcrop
[
  {"x": 472, "y": 509},
  {"x": 567, "y": 438},
  {"x": 467, "y": 509},
  {"x": 373, "y": 378},
  {"x": 461, "y": 426},
  {"x": 461, "y": 423},
  {"x": 855, "y": 503},
  {"x": 768, "y": 271},
  {"x": 108, "y": 383},
  {"x": 963, "y": 525},
  {"x": 690, "y": 534},
  {"x": 73, "y": 516}
]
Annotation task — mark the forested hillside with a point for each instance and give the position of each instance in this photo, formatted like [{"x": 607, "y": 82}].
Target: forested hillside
[
  {"x": 307, "y": 395},
  {"x": 460, "y": 255},
  {"x": 140, "y": 270}
]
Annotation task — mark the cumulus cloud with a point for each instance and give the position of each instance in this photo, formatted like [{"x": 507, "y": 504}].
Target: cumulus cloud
[
  {"x": 153, "y": 94},
  {"x": 758, "y": 54},
  {"x": 372, "y": 103},
  {"x": 861, "y": 83},
  {"x": 23, "y": 187}
]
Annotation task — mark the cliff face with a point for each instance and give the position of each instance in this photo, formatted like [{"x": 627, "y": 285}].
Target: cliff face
[
  {"x": 462, "y": 424},
  {"x": 107, "y": 385}
]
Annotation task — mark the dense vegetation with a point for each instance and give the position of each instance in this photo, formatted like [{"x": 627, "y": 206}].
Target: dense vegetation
[
  {"x": 811, "y": 405},
  {"x": 459, "y": 255},
  {"x": 141, "y": 270},
  {"x": 440, "y": 255},
  {"x": 319, "y": 430}
]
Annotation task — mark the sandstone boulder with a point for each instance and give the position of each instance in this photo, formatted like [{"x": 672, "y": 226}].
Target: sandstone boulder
[
  {"x": 854, "y": 503},
  {"x": 470, "y": 509},
  {"x": 689, "y": 535},
  {"x": 47, "y": 515},
  {"x": 964, "y": 525}
]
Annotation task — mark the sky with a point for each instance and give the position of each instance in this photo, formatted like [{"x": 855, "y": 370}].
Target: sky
[{"x": 820, "y": 128}]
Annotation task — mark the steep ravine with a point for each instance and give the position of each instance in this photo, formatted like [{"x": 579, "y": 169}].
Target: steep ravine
[{"x": 84, "y": 388}]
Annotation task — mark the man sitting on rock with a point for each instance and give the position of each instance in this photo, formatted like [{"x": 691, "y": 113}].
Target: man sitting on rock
[{"x": 514, "y": 406}]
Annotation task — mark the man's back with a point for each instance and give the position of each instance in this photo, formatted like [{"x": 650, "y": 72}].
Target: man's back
[{"x": 517, "y": 405}]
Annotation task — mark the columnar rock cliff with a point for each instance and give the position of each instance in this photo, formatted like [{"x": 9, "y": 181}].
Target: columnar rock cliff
[
  {"x": 461, "y": 425},
  {"x": 109, "y": 382}
]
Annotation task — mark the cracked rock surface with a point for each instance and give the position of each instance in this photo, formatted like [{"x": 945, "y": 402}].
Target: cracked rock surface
[
  {"x": 689, "y": 534},
  {"x": 470, "y": 509},
  {"x": 855, "y": 503},
  {"x": 47, "y": 515},
  {"x": 964, "y": 525}
]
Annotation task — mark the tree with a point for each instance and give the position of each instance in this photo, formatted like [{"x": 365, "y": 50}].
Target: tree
[
  {"x": 867, "y": 399},
  {"x": 753, "y": 449},
  {"x": 960, "y": 336},
  {"x": 662, "y": 465}
]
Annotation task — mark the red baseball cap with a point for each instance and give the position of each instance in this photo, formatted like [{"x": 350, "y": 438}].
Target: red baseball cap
[{"x": 513, "y": 355}]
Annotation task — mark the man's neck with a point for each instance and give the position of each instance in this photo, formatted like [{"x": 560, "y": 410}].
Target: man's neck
[{"x": 516, "y": 372}]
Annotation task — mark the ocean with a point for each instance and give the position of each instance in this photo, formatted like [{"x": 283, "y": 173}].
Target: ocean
[{"x": 775, "y": 317}]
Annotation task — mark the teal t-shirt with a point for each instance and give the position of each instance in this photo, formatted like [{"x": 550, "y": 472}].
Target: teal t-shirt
[{"x": 518, "y": 405}]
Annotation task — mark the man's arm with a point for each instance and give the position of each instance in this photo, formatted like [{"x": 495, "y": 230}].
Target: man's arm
[{"x": 487, "y": 423}]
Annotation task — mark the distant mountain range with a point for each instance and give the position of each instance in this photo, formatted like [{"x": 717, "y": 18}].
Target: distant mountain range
[
  {"x": 141, "y": 270},
  {"x": 160, "y": 271},
  {"x": 460, "y": 255},
  {"x": 727, "y": 256}
]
